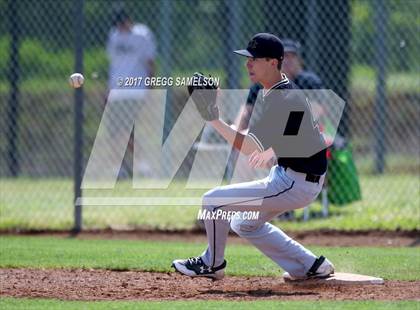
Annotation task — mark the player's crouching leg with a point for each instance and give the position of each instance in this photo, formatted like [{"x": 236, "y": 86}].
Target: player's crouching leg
[
  {"x": 211, "y": 199},
  {"x": 195, "y": 266},
  {"x": 245, "y": 228}
]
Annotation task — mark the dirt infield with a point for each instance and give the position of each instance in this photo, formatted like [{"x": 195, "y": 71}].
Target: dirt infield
[
  {"x": 318, "y": 237},
  {"x": 131, "y": 285}
]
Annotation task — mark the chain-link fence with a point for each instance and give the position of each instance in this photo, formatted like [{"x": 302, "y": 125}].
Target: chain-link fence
[{"x": 365, "y": 51}]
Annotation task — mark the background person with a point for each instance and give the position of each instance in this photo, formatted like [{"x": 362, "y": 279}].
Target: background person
[{"x": 131, "y": 50}]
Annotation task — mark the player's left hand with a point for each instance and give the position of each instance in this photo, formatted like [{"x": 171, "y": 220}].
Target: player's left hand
[
  {"x": 204, "y": 94},
  {"x": 264, "y": 159}
]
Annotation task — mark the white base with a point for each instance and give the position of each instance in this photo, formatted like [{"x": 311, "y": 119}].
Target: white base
[{"x": 342, "y": 279}]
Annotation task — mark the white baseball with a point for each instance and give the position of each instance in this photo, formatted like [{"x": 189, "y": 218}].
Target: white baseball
[{"x": 76, "y": 80}]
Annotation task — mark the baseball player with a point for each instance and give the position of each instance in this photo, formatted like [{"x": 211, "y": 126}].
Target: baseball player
[
  {"x": 291, "y": 184},
  {"x": 292, "y": 66}
]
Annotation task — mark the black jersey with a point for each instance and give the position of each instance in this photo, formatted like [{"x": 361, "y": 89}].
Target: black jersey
[
  {"x": 285, "y": 108},
  {"x": 308, "y": 80}
]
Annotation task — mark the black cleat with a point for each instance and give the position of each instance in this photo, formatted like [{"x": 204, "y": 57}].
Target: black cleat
[
  {"x": 321, "y": 269},
  {"x": 195, "y": 267}
]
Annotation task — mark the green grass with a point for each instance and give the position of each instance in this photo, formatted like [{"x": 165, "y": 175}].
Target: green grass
[
  {"x": 363, "y": 78},
  {"x": 45, "y": 304},
  {"x": 389, "y": 202},
  {"x": 245, "y": 260},
  {"x": 395, "y": 163},
  {"x": 42, "y": 252}
]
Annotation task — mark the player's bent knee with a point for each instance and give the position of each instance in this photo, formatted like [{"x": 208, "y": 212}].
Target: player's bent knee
[
  {"x": 242, "y": 228},
  {"x": 236, "y": 227},
  {"x": 209, "y": 200}
]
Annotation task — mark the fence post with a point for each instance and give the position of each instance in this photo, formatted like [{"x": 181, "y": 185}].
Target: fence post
[
  {"x": 380, "y": 110},
  {"x": 165, "y": 15},
  {"x": 233, "y": 21},
  {"x": 78, "y": 116},
  {"x": 334, "y": 49},
  {"x": 13, "y": 76},
  {"x": 232, "y": 68},
  {"x": 311, "y": 49},
  {"x": 165, "y": 45}
]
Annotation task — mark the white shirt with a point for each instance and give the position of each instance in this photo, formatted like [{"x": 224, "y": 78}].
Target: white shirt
[{"x": 129, "y": 54}]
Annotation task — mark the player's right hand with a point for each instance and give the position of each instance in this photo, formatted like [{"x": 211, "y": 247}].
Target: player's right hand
[{"x": 264, "y": 159}]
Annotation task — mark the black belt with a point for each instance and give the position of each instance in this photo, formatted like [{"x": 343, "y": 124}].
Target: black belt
[{"x": 313, "y": 178}]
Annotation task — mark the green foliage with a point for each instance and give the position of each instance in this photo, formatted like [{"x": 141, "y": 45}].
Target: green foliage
[
  {"x": 402, "y": 43},
  {"x": 47, "y": 30},
  {"x": 4, "y": 50},
  {"x": 38, "y": 63}
]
